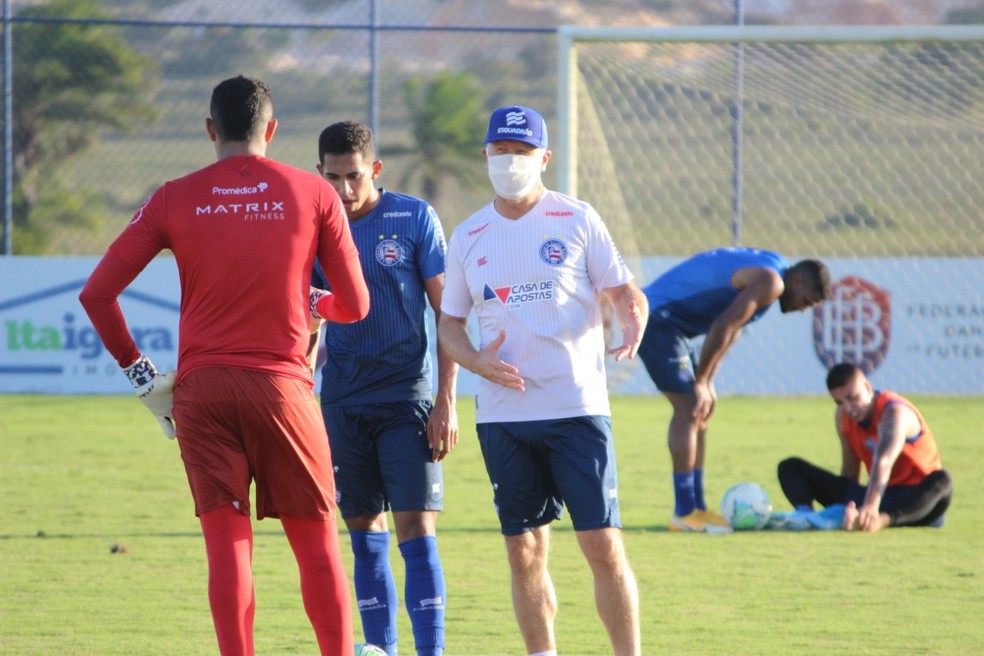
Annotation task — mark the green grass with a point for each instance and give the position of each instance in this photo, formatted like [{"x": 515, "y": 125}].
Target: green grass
[{"x": 79, "y": 475}]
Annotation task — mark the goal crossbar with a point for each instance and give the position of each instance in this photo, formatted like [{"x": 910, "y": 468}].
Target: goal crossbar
[
  {"x": 568, "y": 35},
  {"x": 775, "y": 33}
]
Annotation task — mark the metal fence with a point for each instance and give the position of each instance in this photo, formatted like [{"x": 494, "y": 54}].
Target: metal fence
[{"x": 104, "y": 101}]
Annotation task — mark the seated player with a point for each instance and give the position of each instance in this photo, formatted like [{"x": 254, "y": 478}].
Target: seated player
[{"x": 907, "y": 485}]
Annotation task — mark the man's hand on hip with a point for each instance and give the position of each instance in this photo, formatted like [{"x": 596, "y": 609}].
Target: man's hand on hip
[{"x": 155, "y": 390}]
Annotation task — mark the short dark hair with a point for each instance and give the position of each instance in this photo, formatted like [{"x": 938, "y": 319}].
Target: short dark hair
[
  {"x": 346, "y": 138},
  {"x": 841, "y": 374},
  {"x": 817, "y": 276},
  {"x": 240, "y": 108}
]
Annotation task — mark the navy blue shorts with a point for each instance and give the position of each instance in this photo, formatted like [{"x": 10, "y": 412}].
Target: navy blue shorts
[
  {"x": 381, "y": 458},
  {"x": 536, "y": 467},
  {"x": 669, "y": 356}
]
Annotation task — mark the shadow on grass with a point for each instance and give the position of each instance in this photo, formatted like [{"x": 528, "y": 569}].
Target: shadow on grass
[{"x": 44, "y": 535}]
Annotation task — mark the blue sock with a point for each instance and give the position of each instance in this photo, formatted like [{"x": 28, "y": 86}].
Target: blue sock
[
  {"x": 425, "y": 594},
  {"x": 699, "y": 489},
  {"x": 683, "y": 490},
  {"x": 375, "y": 590}
]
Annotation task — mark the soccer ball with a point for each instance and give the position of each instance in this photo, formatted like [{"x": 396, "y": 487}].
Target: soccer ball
[
  {"x": 746, "y": 506},
  {"x": 363, "y": 649}
]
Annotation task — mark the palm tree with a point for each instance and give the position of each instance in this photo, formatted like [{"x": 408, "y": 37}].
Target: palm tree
[
  {"x": 70, "y": 81},
  {"x": 447, "y": 115}
]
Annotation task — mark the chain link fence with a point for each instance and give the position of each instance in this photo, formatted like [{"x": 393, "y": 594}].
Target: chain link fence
[{"x": 105, "y": 101}]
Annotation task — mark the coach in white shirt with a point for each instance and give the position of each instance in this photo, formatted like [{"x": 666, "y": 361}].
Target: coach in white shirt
[{"x": 531, "y": 265}]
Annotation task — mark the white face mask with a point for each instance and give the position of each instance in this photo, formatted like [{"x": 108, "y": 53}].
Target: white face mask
[{"x": 514, "y": 176}]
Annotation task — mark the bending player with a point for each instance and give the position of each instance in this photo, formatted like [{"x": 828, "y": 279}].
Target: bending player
[{"x": 715, "y": 294}]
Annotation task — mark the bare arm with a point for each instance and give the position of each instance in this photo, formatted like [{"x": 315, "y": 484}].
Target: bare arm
[
  {"x": 632, "y": 311},
  {"x": 896, "y": 422},
  {"x": 442, "y": 427},
  {"x": 453, "y": 336},
  {"x": 758, "y": 287}
]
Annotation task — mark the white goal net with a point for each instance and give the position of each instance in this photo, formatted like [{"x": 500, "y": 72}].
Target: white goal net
[
  {"x": 851, "y": 141},
  {"x": 863, "y": 146}
]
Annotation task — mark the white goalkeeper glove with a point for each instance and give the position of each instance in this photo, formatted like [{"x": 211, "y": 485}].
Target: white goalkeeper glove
[
  {"x": 155, "y": 390},
  {"x": 316, "y": 296}
]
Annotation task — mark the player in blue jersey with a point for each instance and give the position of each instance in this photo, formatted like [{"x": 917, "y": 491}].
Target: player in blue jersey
[
  {"x": 387, "y": 436},
  {"x": 714, "y": 294}
]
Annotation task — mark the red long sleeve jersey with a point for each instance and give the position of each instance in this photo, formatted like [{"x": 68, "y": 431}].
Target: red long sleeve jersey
[{"x": 244, "y": 232}]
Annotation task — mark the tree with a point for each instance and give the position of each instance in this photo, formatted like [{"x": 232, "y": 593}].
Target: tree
[
  {"x": 448, "y": 118},
  {"x": 73, "y": 77}
]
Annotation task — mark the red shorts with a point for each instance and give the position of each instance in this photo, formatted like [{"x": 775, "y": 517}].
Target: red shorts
[{"x": 238, "y": 425}]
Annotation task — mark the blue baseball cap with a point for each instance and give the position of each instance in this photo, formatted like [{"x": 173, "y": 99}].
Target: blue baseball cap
[{"x": 517, "y": 123}]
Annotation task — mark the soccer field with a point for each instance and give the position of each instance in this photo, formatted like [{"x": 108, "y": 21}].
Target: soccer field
[{"x": 100, "y": 551}]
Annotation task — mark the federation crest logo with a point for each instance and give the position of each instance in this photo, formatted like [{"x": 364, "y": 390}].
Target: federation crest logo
[
  {"x": 854, "y": 325},
  {"x": 553, "y": 252},
  {"x": 389, "y": 252}
]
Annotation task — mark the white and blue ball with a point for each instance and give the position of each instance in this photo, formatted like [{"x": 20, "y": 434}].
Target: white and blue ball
[
  {"x": 746, "y": 506},
  {"x": 363, "y": 649}
]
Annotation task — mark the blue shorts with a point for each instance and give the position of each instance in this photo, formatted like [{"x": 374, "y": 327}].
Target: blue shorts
[
  {"x": 669, "y": 356},
  {"x": 381, "y": 458},
  {"x": 536, "y": 467}
]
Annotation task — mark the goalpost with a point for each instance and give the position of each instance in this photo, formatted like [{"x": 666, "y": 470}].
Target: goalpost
[
  {"x": 829, "y": 140},
  {"x": 863, "y": 146}
]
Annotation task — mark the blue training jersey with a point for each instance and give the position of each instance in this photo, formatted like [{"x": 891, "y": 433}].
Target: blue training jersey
[
  {"x": 384, "y": 357},
  {"x": 695, "y": 292}
]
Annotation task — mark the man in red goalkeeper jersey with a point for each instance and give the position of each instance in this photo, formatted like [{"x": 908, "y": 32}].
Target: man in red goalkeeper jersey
[{"x": 245, "y": 232}]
